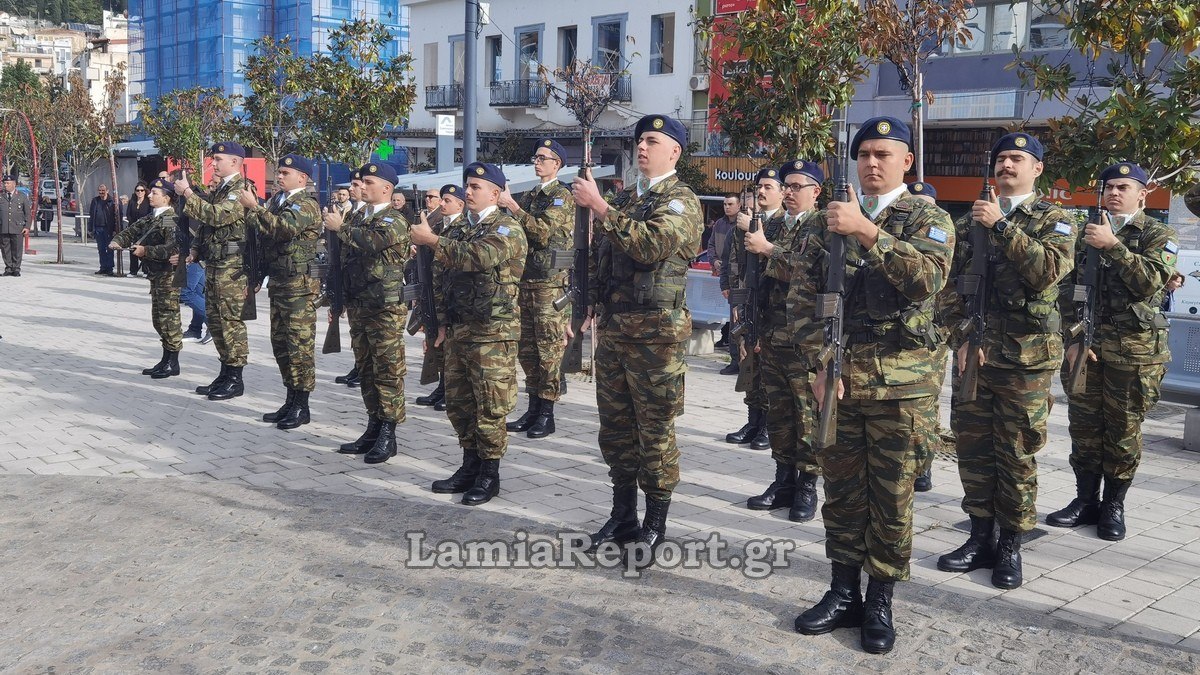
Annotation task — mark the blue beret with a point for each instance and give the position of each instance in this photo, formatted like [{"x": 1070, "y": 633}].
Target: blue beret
[
  {"x": 10, "y": 176},
  {"x": 555, "y": 147},
  {"x": 228, "y": 148},
  {"x": 298, "y": 163},
  {"x": 1125, "y": 170},
  {"x": 768, "y": 172},
  {"x": 922, "y": 188},
  {"x": 164, "y": 185},
  {"x": 881, "y": 127},
  {"x": 1018, "y": 141},
  {"x": 381, "y": 170},
  {"x": 488, "y": 172},
  {"x": 662, "y": 124},
  {"x": 800, "y": 166},
  {"x": 452, "y": 190}
]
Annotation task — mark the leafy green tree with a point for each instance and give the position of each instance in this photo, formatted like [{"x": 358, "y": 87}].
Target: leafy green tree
[
  {"x": 1136, "y": 98},
  {"x": 276, "y": 77},
  {"x": 18, "y": 82},
  {"x": 184, "y": 122}
]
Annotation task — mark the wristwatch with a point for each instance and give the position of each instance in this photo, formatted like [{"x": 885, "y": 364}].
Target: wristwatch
[{"x": 1001, "y": 226}]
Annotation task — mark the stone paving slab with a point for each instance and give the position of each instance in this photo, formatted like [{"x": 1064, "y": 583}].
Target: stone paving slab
[{"x": 75, "y": 406}]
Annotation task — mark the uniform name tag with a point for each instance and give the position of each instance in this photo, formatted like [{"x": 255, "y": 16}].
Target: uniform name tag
[
  {"x": 937, "y": 234},
  {"x": 1172, "y": 247},
  {"x": 503, "y": 230},
  {"x": 1062, "y": 228},
  {"x": 558, "y": 201},
  {"x": 676, "y": 206}
]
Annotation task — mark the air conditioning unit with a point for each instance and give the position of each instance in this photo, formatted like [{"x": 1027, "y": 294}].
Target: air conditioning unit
[{"x": 698, "y": 83}]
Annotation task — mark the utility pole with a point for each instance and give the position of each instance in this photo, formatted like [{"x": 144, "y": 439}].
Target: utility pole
[{"x": 470, "y": 143}]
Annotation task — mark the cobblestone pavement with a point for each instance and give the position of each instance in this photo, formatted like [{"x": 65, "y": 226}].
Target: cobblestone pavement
[{"x": 147, "y": 528}]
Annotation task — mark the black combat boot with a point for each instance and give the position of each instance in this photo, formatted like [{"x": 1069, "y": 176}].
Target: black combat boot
[
  {"x": 435, "y": 395},
  {"x": 761, "y": 440},
  {"x": 157, "y": 368},
  {"x": 384, "y": 447},
  {"x": 804, "y": 506},
  {"x": 977, "y": 553},
  {"x": 1007, "y": 572},
  {"x": 365, "y": 441},
  {"x": 1111, "y": 525},
  {"x": 297, "y": 414},
  {"x": 653, "y": 534},
  {"x": 622, "y": 524},
  {"x": 543, "y": 426},
  {"x": 1084, "y": 509},
  {"x": 924, "y": 482},
  {"x": 287, "y": 403},
  {"x": 487, "y": 484},
  {"x": 841, "y": 607},
  {"x": 463, "y": 478},
  {"x": 232, "y": 386},
  {"x": 747, "y": 433},
  {"x": 525, "y": 421},
  {"x": 170, "y": 368},
  {"x": 353, "y": 379},
  {"x": 781, "y": 492},
  {"x": 343, "y": 379},
  {"x": 218, "y": 382},
  {"x": 877, "y": 634},
  {"x": 440, "y": 406}
]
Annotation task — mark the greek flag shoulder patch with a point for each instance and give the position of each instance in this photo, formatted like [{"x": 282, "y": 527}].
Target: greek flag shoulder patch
[
  {"x": 232, "y": 197},
  {"x": 295, "y": 207},
  {"x": 503, "y": 230},
  {"x": 389, "y": 219},
  {"x": 938, "y": 234},
  {"x": 1063, "y": 228},
  {"x": 1172, "y": 247},
  {"x": 676, "y": 206},
  {"x": 558, "y": 201}
]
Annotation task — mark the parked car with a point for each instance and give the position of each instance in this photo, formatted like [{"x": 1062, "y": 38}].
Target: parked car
[{"x": 48, "y": 189}]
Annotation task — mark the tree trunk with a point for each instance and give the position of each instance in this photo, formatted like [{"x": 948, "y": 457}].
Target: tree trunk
[
  {"x": 919, "y": 120},
  {"x": 116, "y": 192},
  {"x": 58, "y": 205}
]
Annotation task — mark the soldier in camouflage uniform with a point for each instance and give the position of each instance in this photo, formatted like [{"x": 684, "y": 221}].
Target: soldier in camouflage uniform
[
  {"x": 153, "y": 240},
  {"x": 785, "y": 372},
  {"x": 481, "y": 268},
  {"x": 924, "y": 482},
  {"x": 645, "y": 242},
  {"x": 219, "y": 242},
  {"x": 1001, "y": 431},
  {"x": 351, "y": 211},
  {"x": 450, "y": 201},
  {"x": 547, "y": 214},
  {"x": 898, "y": 251},
  {"x": 375, "y": 246},
  {"x": 289, "y": 227},
  {"x": 1129, "y": 352}
]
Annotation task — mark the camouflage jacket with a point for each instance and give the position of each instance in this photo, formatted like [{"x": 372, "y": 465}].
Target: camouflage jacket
[
  {"x": 776, "y": 278},
  {"x": 799, "y": 267},
  {"x": 160, "y": 241},
  {"x": 548, "y": 218},
  {"x": 221, "y": 222},
  {"x": 890, "y": 290},
  {"x": 481, "y": 271},
  {"x": 1027, "y": 263},
  {"x": 1131, "y": 328},
  {"x": 374, "y": 250},
  {"x": 290, "y": 232},
  {"x": 449, "y": 230},
  {"x": 638, "y": 273}
]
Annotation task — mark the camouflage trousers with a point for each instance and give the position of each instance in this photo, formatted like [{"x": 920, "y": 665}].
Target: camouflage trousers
[
  {"x": 1105, "y": 421},
  {"x": 998, "y": 436},
  {"x": 481, "y": 389},
  {"x": 164, "y": 311},
  {"x": 756, "y": 394},
  {"x": 224, "y": 297},
  {"x": 869, "y": 474},
  {"x": 294, "y": 333},
  {"x": 540, "y": 348},
  {"x": 791, "y": 420},
  {"x": 377, "y": 336},
  {"x": 934, "y": 440},
  {"x": 639, "y": 393}
]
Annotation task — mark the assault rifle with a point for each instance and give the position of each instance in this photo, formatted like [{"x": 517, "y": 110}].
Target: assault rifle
[
  {"x": 831, "y": 306},
  {"x": 745, "y": 298},
  {"x": 427, "y": 306},
  {"x": 183, "y": 239},
  {"x": 1085, "y": 296},
  {"x": 252, "y": 267},
  {"x": 974, "y": 287},
  {"x": 577, "y": 288}
]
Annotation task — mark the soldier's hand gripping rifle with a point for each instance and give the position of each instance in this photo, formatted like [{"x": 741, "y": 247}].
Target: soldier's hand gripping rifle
[
  {"x": 426, "y": 304},
  {"x": 975, "y": 286},
  {"x": 577, "y": 288},
  {"x": 252, "y": 267},
  {"x": 831, "y": 307},
  {"x": 745, "y": 298},
  {"x": 1085, "y": 296}
]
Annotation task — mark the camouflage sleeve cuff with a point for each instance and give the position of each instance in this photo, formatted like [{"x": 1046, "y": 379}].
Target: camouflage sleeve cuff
[
  {"x": 1118, "y": 253},
  {"x": 883, "y": 245}
]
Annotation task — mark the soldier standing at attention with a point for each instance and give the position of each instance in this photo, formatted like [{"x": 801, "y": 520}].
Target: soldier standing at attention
[
  {"x": 481, "y": 268},
  {"x": 351, "y": 213},
  {"x": 153, "y": 240},
  {"x": 290, "y": 227},
  {"x": 1128, "y": 355},
  {"x": 219, "y": 242},
  {"x": 898, "y": 251},
  {"x": 1000, "y": 432},
  {"x": 785, "y": 371},
  {"x": 645, "y": 242},
  {"x": 375, "y": 244},
  {"x": 450, "y": 226},
  {"x": 15, "y": 209},
  {"x": 547, "y": 214}
]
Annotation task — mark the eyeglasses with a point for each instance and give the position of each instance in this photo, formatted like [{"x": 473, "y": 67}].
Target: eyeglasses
[
  {"x": 796, "y": 187},
  {"x": 538, "y": 159},
  {"x": 139, "y": 189}
]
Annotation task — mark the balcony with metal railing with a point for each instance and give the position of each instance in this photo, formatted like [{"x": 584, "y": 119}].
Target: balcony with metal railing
[
  {"x": 444, "y": 97},
  {"x": 622, "y": 88},
  {"x": 518, "y": 94}
]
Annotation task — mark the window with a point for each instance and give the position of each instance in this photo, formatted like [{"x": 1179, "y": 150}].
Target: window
[
  {"x": 662, "y": 44},
  {"x": 1046, "y": 29},
  {"x": 341, "y": 9},
  {"x": 494, "y": 46},
  {"x": 609, "y": 40},
  {"x": 529, "y": 51},
  {"x": 430, "y": 52},
  {"x": 568, "y": 46},
  {"x": 997, "y": 28},
  {"x": 457, "y": 59}
]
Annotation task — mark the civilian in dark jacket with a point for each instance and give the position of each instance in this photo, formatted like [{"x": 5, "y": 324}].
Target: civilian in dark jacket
[
  {"x": 138, "y": 208},
  {"x": 102, "y": 222}
]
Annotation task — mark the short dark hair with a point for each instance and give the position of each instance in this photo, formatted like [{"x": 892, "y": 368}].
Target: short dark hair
[{"x": 733, "y": 195}]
